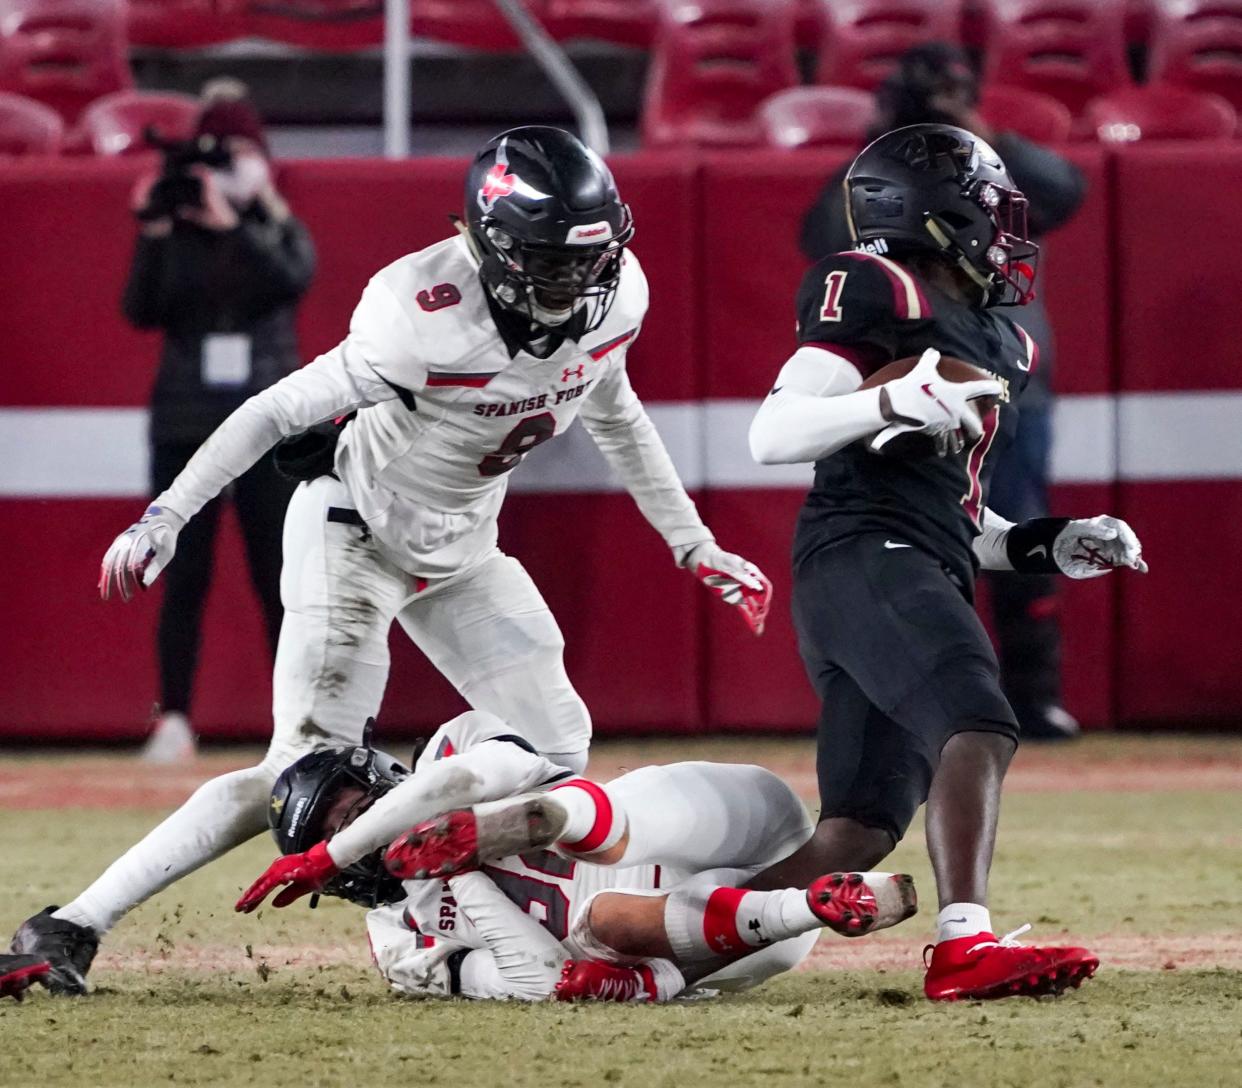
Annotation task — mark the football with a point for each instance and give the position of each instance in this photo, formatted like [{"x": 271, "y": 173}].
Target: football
[{"x": 917, "y": 444}]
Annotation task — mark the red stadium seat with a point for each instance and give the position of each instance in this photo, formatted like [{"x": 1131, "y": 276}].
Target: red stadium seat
[
  {"x": 625, "y": 22},
  {"x": 1140, "y": 16},
  {"x": 714, "y": 64},
  {"x": 28, "y": 127},
  {"x": 331, "y": 25},
  {"x": 64, "y": 53},
  {"x": 809, "y": 29},
  {"x": 477, "y": 24},
  {"x": 1198, "y": 44},
  {"x": 863, "y": 38},
  {"x": 1160, "y": 112},
  {"x": 1072, "y": 50},
  {"x": 182, "y": 24},
  {"x": 114, "y": 124},
  {"x": 1035, "y": 116},
  {"x": 817, "y": 117}
]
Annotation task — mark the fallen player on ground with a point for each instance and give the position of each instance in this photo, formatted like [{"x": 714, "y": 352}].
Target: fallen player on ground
[{"x": 642, "y": 905}]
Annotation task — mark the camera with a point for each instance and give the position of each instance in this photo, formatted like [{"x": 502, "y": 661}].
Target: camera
[{"x": 177, "y": 187}]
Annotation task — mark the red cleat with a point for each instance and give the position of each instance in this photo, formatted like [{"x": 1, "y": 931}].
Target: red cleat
[
  {"x": 18, "y": 973},
  {"x": 460, "y": 840},
  {"x": 594, "y": 980},
  {"x": 856, "y": 903},
  {"x": 441, "y": 847},
  {"x": 980, "y": 967}
]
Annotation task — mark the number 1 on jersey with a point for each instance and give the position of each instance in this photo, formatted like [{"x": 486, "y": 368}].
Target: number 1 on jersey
[{"x": 834, "y": 284}]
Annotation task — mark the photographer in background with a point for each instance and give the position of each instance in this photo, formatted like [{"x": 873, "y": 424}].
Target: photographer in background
[
  {"x": 219, "y": 267},
  {"x": 935, "y": 83}
]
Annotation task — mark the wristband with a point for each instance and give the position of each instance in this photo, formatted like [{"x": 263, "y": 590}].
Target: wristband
[{"x": 1030, "y": 545}]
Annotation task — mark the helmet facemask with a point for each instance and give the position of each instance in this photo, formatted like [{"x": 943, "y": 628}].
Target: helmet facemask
[
  {"x": 550, "y": 284},
  {"x": 548, "y": 228},
  {"x": 322, "y": 794},
  {"x": 942, "y": 191},
  {"x": 1005, "y": 270}
]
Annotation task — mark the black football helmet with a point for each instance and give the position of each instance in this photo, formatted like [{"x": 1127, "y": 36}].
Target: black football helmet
[
  {"x": 942, "y": 190},
  {"x": 544, "y": 220},
  {"x": 311, "y": 794}
]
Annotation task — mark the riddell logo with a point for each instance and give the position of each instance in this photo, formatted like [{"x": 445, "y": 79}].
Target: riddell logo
[
  {"x": 877, "y": 246},
  {"x": 586, "y": 233}
]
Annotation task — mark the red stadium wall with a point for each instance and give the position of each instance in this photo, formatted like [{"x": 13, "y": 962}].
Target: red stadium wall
[{"x": 646, "y": 647}]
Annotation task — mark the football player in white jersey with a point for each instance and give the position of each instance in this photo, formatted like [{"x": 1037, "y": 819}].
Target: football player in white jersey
[
  {"x": 639, "y": 901},
  {"x": 460, "y": 359}
]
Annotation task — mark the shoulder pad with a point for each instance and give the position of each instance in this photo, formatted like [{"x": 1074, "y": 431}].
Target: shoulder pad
[
  {"x": 630, "y": 306},
  {"x": 1028, "y": 341},
  {"x": 879, "y": 283},
  {"x": 439, "y": 291},
  {"x": 465, "y": 732}
]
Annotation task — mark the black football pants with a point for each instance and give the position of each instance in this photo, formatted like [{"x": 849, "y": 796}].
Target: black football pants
[{"x": 260, "y": 497}]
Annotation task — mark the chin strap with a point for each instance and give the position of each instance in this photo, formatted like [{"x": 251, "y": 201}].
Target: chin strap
[{"x": 955, "y": 254}]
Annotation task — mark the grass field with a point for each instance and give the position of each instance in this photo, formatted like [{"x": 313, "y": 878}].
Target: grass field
[{"x": 1132, "y": 846}]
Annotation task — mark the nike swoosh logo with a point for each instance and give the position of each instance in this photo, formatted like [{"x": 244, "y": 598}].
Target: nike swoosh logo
[
  {"x": 1040, "y": 549},
  {"x": 890, "y": 544},
  {"x": 956, "y": 921}
]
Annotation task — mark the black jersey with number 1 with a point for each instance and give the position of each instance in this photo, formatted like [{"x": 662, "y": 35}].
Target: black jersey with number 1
[{"x": 871, "y": 310}]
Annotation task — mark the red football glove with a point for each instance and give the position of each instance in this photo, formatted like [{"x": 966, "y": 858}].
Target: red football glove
[
  {"x": 18, "y": 973},
  {"x": 734, "y": 581},
  {"x": 302, "y": 873}
]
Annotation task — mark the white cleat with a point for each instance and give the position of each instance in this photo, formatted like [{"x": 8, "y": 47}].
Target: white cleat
[{"x": 172, "y": 741}]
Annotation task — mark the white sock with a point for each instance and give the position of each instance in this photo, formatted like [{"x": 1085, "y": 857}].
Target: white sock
[
  {"x": 581, "y": 812},
  {"x": 594, "y": 822},
  {"x": 775, "y": 915},
  {"x": 707, "y": 921},
  {"x": 962, "y": 920},
  {"x": 221, "y": 814},
  {"x": 666, "y": 977}
]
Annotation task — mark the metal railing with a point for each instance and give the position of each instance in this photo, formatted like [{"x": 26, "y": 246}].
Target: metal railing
[{"x": 551, "y": 58}]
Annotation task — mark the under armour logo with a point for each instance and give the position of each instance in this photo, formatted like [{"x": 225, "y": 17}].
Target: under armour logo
[{"x": 573, "y": 372}]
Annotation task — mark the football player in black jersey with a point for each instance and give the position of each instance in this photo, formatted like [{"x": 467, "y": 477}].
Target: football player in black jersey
[{"x": 887, "y": 547}]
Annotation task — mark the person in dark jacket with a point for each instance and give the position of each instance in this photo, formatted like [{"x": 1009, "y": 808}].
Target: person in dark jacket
[
  {"x": 935, "y": 83},
  {"x": 222, "y": 281}
]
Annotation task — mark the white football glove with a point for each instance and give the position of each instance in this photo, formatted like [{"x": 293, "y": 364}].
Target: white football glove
[
  {"x": 1090, "y": 547},
  {"x": 924, "y": 402},
  {"x": 732, "y": 579},
  {"x": 139, "y": 554}
]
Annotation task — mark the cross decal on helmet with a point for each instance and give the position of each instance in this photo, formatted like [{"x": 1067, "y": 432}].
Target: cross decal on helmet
[{"x": 499, "y": 182}]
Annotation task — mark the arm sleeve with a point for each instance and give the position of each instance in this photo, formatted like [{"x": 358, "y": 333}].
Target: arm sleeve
[
  {"x": 522, "y": 960},
  {"x": 1053, "y": 186},
  {"x": 615, "y": 419},
  {"x": 352, "y": 375},
  {"x": 486, "y": 772},
  {"x": 145, "y": 301},
  {"x": 990, "y": 545},
  {"x": 814, "y": 410}
]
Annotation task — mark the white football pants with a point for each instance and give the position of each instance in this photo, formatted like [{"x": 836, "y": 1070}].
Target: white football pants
[{"x": 488, "y": 630}]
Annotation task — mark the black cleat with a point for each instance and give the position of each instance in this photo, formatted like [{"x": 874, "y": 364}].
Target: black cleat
[{"x": 67, "y": 946}]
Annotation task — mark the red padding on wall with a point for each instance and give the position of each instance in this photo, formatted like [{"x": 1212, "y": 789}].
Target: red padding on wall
[
  {"x": 68, "y": 239},
  {"x": 1176, "y": 244},
  {"x": 1177, "y": 655}
]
